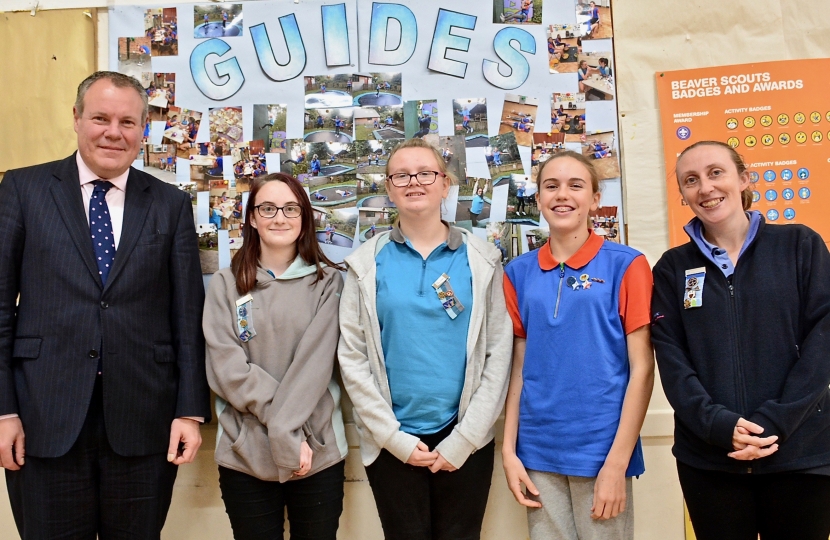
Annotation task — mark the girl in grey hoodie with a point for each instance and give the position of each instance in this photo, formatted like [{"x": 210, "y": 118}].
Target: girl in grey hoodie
[{"x": 270, "y": 323}]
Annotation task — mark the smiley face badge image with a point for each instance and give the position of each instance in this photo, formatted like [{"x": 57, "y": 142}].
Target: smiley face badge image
[
  {"x": 801, "y": 137},
  {"x": 749, "y": 121},
  {"x": 767, "y": 139},
  {"x": 732, "y": 123},
  {"x": 766, "y": 120},
  {"x": 783, "y": 119},
  {"x": 750, "y": 141}
]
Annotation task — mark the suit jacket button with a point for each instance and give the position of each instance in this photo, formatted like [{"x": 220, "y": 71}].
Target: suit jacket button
[
  {"x": 93, "y": 353},
  {"x": 104, "y": 305}
]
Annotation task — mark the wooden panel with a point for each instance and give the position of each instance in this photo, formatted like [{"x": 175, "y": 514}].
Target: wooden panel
[{"x": 42, "y": 59}]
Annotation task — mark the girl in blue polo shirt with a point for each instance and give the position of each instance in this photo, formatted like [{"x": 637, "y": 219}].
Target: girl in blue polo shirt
[
  {"x": 425, "y": 355},
  {"x": 583, "y": 368}
]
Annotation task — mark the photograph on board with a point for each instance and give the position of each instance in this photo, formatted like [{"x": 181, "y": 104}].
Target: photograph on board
[
  {"x": 377, "y": 89},
  {"x": 503, "y": 157},
  {"x": 600, "y": 148},
  {"x": 326, "y": 91},
  {"x": 226, "y": 124},
  {"x": 248, "y": 160},
  {"x": 270, "y": 126},
  {"x": 217, "y": 20},
  {"x": 453, "y": 151},
  {"x": 162, "y": 29},
  {"x": 134, "y": 57},
  {"x": 329, "y": 125},
  {"x": 420, "y": 118},
  {"x": 371, "y": 191},
  {"x": 521, "y": 199},
  {"x": 605, "y": 223},
  {"x": 518, "y": 115},
  {"x": 335, "y": 225},
  {"x": 595, "y": 76},
  {"x": 373, "y": 221},
  {"x": 564, "y": 46},
  {"x": 372, "y": 155},
  {"x": 594, "y": 20},
  {"x": 470, "y": 119},
  {"x": 517, "y": 11},
  {"x": 378, "y": 123}
]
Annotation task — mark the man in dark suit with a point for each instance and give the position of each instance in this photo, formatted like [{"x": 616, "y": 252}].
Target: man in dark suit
[{"x": 102, "y": 355}]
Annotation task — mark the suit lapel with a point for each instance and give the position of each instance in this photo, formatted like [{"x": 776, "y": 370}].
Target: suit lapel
[
  {"x": 137, "y": 202},
  {"x": 70, "y": 203}
]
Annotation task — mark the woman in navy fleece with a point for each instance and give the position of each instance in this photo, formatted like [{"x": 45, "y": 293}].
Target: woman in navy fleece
[{"x": 741, "y": 328}]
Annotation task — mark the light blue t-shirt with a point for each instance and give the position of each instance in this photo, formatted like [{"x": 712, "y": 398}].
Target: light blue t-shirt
[
  {"x": 478, "y": 204},
  {"x": 424, "y": 349}
]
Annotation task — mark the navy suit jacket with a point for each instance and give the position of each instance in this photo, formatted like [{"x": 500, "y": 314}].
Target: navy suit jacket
[{"x": 148, "y": 316}]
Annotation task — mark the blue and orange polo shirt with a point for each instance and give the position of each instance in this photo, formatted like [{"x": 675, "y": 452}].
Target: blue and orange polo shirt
[{"x": 575, "y": 316}]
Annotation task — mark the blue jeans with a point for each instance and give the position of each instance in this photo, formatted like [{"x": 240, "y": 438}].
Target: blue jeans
[{"x": 256, "y": 507}]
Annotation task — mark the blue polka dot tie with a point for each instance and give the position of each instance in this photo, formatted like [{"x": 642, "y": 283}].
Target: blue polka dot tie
[{"x": 100, "y": 229}]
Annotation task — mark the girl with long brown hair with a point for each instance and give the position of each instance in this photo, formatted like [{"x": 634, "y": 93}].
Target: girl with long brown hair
[{"x": 271, "y": 329}]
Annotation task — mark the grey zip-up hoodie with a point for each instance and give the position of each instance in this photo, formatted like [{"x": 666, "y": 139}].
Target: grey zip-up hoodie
[
  {"x": 278, "y": 389},
  {"x": 362, "y": 366}
]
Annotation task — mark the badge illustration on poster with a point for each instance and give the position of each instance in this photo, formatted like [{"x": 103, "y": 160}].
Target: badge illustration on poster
[{"x": 774, "y": 114}]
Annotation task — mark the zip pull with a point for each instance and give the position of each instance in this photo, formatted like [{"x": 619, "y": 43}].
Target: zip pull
[
  {"x": 559, "y": 292},
  {"x": 731, "y": 287}
]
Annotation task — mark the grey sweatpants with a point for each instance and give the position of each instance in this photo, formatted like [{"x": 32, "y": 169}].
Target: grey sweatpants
[{"x": 566, "y": 510}]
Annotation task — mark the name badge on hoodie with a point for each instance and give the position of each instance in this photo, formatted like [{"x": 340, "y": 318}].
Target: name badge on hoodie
[
  {"x": 693, "y": 295},
  {"x": 244, "y": 318},
  {"x": 449, "y": 302}
]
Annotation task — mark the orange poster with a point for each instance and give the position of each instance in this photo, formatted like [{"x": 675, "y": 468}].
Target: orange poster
[{"x": 775, "y": 114}]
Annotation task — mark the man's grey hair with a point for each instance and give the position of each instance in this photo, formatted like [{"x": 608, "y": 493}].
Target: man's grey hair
[{"x": 118, "y": 80}]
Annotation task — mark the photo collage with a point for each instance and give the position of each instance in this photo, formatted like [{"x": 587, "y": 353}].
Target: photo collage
[{"x": 351, "y": 124}]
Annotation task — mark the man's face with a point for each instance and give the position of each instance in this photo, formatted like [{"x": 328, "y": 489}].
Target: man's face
[{"x": 110, "y": 128}]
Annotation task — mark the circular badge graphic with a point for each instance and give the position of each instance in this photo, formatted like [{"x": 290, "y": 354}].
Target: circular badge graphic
[
  {"x": 770, "y": 194},
  {"x": 769, "y": 175},
  {"x": 815, "y": 117},
  {"x": 804, "y": 193},
  {"x": 783, "y": 119},
  {"x": 756, "y": 196},
  {"x": 784, "y": 138},
  {"x": 800, "y": 137},
  {"x": 789, "y": 213},
  {"x": 766, "y": 120},
  {"x": 750, "y": 140},
  {"x": 803, "y": 173},
  {"x": 816, "y": 136},
  {"x": 753, "y": 176},
  {"x": 799, "y": 118},
  {"x": 786, "y": 174},
  {"x": 788, "y": 194},
  {"x": 749, "y": 121},
  {"x": 767, "y": 139},
  {"x": 734, "y": 142},
  {"x": 683, "y": 133},
  {"x": 827, "y": 116},
  {"x": 732, "y": 123},
  {"x": 772, "y": 214}
]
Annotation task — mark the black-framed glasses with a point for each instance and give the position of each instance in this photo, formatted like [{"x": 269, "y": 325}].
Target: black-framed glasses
[
  {"x": 268, "y": 210},
  {"x": 424, "y": 178}
]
